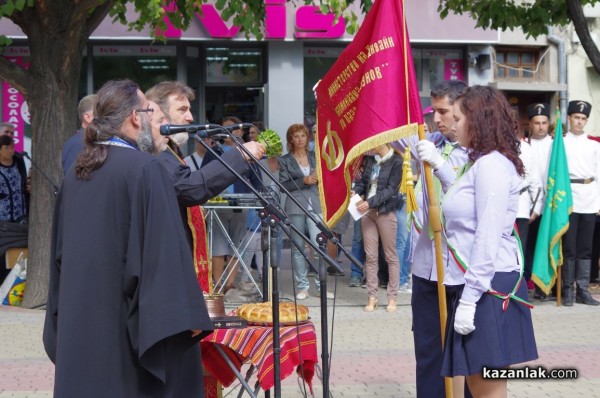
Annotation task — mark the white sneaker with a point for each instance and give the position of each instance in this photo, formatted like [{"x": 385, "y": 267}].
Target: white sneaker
[
  {"x": 405, "y": 288},
  {"x": 330, "y": 295},
  {"x": 246, "y": 286},
  {"x": 302, "y": 295}
]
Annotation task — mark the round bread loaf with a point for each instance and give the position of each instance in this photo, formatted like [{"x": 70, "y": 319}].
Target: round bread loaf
[{"x": 263, "y": 312}]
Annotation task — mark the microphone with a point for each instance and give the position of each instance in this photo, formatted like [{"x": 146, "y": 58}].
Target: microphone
[
  {"x": 222, "y": 129},
  {"x": 169, "y": 129}
]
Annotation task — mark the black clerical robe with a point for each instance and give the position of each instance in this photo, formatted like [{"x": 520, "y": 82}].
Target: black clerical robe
[
  {"x": 197, "y": 187},
  {"x": 123, "y": 294}
]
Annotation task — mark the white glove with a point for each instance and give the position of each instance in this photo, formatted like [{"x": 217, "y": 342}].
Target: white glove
[
  {"x": 464, "y": 319},
  {"x": 428, "y": 153}
]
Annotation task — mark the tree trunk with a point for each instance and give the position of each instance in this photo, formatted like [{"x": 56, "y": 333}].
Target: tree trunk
[
  {"x": 575, "y": 10},
  {"x": 57, "y": 32},
  {"x": 56, "y": 45},
  {"x": 57, "y": 75}
]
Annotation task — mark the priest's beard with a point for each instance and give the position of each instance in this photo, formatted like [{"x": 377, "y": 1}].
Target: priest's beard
[
  {"x": 180, "y": 138},
  {"x": 144, "y": 139}
]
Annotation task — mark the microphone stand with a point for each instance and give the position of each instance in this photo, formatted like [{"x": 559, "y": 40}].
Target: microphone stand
[
  {"x": 25, "y": 154},
  {"x": 268, "y": 224},
  {"x": 325, "y": 234},
  {"x": 268, "y": 211},
  {"x": 287, "y": 227}
]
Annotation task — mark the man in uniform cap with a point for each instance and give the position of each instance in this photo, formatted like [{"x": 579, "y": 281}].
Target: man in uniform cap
[
  {"x": 583, "y": 159},
  {"x": 541, "y": 147}
]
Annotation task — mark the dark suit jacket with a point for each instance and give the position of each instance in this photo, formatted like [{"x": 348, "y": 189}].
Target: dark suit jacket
[
  {"x": 387, "y": 198},
  {"x": 253, "y": 176},
  {"x": 196, "y": 188},
  {"x": 71, "y": 149}
]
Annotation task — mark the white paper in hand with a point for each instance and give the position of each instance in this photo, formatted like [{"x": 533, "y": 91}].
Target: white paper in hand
[{"x": 356, "y": 215}]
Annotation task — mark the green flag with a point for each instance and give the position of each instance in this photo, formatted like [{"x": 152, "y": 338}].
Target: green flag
[{"x": 555, "y": 220}]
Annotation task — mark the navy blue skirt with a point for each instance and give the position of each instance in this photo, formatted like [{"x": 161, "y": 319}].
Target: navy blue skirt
[{"x": 501, "y": 338}]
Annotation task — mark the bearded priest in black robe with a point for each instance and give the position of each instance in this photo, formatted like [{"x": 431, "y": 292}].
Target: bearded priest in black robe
[{"x": 125, "y": 312}]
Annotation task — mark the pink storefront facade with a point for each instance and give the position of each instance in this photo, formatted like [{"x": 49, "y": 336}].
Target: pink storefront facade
[{"x": 268, "y": 80}]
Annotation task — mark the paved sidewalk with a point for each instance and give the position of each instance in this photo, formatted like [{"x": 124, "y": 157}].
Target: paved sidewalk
[{"x": 372, "y": 353}]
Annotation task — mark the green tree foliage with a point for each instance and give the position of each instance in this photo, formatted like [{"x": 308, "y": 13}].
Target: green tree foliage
[{"x": 533, "y": 17}]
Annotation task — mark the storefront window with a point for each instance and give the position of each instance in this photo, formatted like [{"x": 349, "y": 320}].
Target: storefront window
[
  {"x": 317, "y": 62},
  {"x": 432, "y": 66},
  {"x": 243, "y": 102},
  {"x": 145, "y": 65},
  {"x": 233, "y": 65}
]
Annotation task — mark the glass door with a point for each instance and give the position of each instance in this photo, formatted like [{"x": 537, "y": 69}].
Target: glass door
[
  {"x": 246, "y": 103},
  {"x": 234, "y": 83}
]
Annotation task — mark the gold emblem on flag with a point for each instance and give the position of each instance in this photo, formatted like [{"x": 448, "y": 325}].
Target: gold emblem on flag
[{"x": 332, "y": 150}]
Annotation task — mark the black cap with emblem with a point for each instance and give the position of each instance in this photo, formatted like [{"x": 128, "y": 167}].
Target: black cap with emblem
[
  {"x": 538, "y": 109},
  {"x": 579, "y": 107}
]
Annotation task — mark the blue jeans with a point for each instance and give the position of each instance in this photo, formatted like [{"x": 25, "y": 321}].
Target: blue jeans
[
  {"x": 303, "y": 223},
  {"x": 402, "y": 244},
  {"x": 358, "y": 250}
]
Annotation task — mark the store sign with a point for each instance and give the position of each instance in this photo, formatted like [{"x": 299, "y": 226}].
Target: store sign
[
  {"x": 310, "y": 23},
  {"x": 15, "y": 109},
  {"x": 134, "y": 51},
  {"x": 453, "y": 69},
  {"x": 322, "y": 52}
]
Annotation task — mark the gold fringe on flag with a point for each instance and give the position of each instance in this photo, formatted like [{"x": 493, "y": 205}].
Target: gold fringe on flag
[{"x": 407, "y": 187}]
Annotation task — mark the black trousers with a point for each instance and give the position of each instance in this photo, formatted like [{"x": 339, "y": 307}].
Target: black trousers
[
  {"x": 578, "y": 240},
  {"x": 428, "y": 337},
  {"x": 595, "y": 251},
  {"x": 523, "y": 228},
  {"x": 529, "y": 250}
]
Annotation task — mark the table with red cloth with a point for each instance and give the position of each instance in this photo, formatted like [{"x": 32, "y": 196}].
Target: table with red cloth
[{"x": 255, "y": 344}]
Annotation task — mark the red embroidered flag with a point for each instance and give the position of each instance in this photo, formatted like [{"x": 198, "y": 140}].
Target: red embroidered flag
[
  {"x": 197, "y": 226},
  {"x": 369, "y": 97}
]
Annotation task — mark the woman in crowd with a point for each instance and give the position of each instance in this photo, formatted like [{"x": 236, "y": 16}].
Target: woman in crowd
[
  {"x": 298, "y": 176},
  {"x": 378, "y": 187},
  {"x": 13, "y": 181},
  {"x": 490, "y": 325}
]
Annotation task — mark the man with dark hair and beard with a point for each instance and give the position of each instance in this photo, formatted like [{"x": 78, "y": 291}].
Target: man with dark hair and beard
[{"x": 124, "y": 312}]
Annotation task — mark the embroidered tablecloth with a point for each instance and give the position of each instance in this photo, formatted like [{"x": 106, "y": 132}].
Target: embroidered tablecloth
[{"x": 255, "y": 344}]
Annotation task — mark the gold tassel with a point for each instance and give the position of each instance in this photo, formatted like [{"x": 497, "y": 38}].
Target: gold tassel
[
  {"x": 405, "y": 170},
  {"x": 411, "y": 199},
  {"x": 407, "y": 187}
]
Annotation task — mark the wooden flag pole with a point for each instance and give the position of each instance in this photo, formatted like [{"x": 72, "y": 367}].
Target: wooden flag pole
[
  {"x": 436, "y": 227},
  {"x": 558, "y": 286}
]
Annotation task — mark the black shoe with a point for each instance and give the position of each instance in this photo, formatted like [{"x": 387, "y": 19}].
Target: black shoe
[
  {"x": 383, "y": 285},
  {"x": 332, "y": 271},
  {"x": 586, "y": 299},
  {"x": 539, "y": 296},
  {"x": 543, "y": 297}
]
